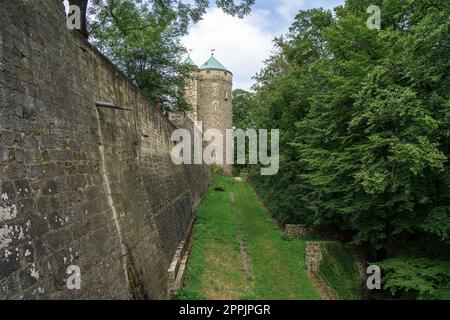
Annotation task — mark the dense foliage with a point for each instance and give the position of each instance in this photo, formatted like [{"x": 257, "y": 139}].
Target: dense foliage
[
  {"x": 145, "y": 45},
  {"x": 340, "y": 271},
  {"x": 365, "y": 134},
  {"x": 185, "y": 11},
  {"x": 243, "y": 102}
]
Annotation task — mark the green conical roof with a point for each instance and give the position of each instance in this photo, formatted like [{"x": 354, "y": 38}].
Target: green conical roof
[
  {"x": 212, "y": 64},
  {"x": 190, "y": 61}
]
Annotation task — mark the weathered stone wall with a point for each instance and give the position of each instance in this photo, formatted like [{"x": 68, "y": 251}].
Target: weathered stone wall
[
  {"x": 192, "y": 96},
  {"x": 313, "y": 255},
  {"x": 299, "y": 231},
  {"x": 82, "y": 185}
]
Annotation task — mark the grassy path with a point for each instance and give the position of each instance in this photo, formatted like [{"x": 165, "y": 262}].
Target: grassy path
[{"x": 224, "y": 228}]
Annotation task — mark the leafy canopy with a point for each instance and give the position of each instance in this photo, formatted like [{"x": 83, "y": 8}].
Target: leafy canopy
[
  {"x": 365, "y": 122},
  {"x": 142, "y": 37}
]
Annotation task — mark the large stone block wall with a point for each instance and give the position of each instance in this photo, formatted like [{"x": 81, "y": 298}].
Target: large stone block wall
[
  {"x": 299, "y": 231},
  {"x": 313, "y": 255},
  {"x": 81, "y": 185},
  {"x": 192, "y": 96}
]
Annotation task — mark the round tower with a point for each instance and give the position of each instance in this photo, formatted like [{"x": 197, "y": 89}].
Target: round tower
[{"x": 214, "y": 104}]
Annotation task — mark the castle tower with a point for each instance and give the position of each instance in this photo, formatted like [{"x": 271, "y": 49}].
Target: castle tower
[
  {"x": 192, "y": 91},
  {"x": 209, "y": 93},
  {"x": 215, "y": 84}
]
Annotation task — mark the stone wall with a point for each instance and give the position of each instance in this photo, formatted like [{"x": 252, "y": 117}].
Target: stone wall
[
  {"x": 299, "y": 231},
  {"x": 192, "y": 96},
  {"x": 82, "y": 185},
  {"x": 313, "y": 255},
  {"x": 215, "y": 103}
]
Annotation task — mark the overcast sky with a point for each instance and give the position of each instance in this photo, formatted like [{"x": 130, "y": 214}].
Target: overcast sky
[{"x": 243, "y": 44}]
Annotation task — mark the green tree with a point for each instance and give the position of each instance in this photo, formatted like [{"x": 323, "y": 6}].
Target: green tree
[
  {"x": 142, "y": 37},
  {"x": 146, "y": 46},
  {"x": 243, "y": 102},
  {"x": 185, "y": 12},
  {"x": 364, "y": 118}
]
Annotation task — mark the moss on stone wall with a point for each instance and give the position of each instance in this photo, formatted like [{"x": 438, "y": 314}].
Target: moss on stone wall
[
  {"x": 85, "y": 181},
  {"x": 340, "y": 271}
]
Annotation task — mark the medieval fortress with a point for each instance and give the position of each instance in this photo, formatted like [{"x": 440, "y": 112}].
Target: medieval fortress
[
  {"x": 209, "y": 92},
  {"x": 88, "y": 190}
]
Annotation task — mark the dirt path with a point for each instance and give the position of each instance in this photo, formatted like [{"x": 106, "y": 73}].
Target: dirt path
[
  {"x": 325, "y": 292},
  {"x": 244, "y": 256},
  {"x": 239, "y": 253}
]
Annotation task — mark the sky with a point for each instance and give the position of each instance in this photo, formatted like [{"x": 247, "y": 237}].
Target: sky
[{"x": 242, "y": 45}]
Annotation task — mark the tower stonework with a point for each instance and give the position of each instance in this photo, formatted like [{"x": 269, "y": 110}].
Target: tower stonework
[
  {"x": 210, "y": 94},
  {"x": 192, "y": 92}
]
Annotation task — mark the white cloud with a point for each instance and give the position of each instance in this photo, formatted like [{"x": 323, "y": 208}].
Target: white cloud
[
  {"x": 289, "y": 8},
  {"x": 66, "y": 6},
  {"x": 241, "y": 44}
]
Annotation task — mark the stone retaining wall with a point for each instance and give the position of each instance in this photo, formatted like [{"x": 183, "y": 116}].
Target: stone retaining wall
[{"x": 82, "y": 185}]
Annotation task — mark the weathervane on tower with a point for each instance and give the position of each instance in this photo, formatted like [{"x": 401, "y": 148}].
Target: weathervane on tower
[{"x": 212, "y": 51}]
